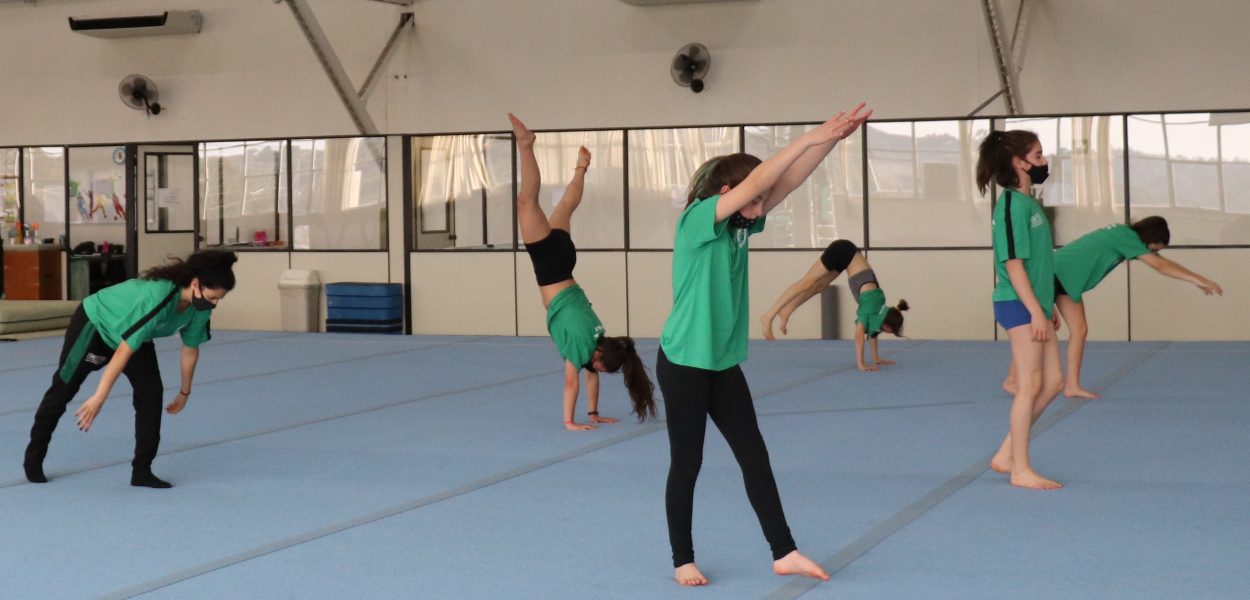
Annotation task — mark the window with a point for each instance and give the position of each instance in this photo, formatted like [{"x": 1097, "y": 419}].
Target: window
[
  {"x": 169, "y": 206},
  {"x": 10, "y": 192},
  {"x": 339, "y": 200},
  {"x": 97, "y": 195},
  {"x": 243, "y": 197},
  {"x": 462, "y": 191},
  {"x": 44, "y": 198},
  {"x": 1085, "y": 190},
  {"x": 661, "y": 163},
  {"x": 599, "y": 221},
  {"x": 1193, "y": 170},
  {"x": 921, "y": 184},
  {"x": 828, "y": 206}
]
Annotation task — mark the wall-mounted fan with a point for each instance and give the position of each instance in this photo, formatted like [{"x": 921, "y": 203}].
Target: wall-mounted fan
[
  {"x": 139, "y": 93},
  {"x": 690, "y": 66}
]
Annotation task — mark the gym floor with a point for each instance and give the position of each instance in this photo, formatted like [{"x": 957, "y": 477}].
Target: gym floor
[{"x": 354, "y": 466}]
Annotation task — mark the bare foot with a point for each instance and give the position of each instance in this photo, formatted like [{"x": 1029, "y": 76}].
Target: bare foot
[
  {"x": 688, "y": 574},
  {"x": 766, "y": 323},
  {"x": 1001, "y": 463},
  {"x": 797, "y": 564},
  {"x": 578, "y": 427},
  {"x": 1030, "y": 479},
  {"x": 1081, "y": 393},
  {"x": 599, "y": 419}
]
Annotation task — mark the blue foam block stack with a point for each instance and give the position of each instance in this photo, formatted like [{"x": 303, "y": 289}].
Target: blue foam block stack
[{"x": 365, "y": 307}]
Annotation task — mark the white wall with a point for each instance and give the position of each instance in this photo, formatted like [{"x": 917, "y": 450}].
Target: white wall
[{"x": 573, "y": 63}]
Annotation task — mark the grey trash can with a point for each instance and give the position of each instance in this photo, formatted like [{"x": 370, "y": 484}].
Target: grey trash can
[{"x": 301, "y": 300}]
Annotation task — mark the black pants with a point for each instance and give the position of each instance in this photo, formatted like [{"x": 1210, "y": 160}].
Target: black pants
[
  {"x": 82, "y": 355},
  {"x": 690, "y": 396}
]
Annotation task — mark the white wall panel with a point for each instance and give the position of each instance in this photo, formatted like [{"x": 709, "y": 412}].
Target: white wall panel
[
  {"x": 1168, "y": 309},
  {"x": 254, "y": 303},
  {"x": 650, "y": 292},
  {"x": 463, "y": 293},
  {"x": 948, "y": 291}
]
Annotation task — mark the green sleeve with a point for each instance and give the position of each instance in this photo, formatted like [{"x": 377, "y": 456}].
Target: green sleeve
[
  {"x": 698, "y": 225},
  {"x": 198, "y": 331},
  {"x": 1015, "y": 230}
]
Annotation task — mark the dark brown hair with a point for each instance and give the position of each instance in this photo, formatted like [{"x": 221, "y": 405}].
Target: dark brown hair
[
  {"x": 211, "y": 267},
  {"x": 728, "y": 170},
  {"x": 1153, "y": 230},
  {"x": 618, "y": 354},
  {"x": 894, "y": 317},
  {"x": 997, "y": 150}
]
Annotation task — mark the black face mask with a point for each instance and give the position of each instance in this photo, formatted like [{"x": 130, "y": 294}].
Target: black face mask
[
  {"x": 1038, "y": 173},
  {"x": 738, "y": 221},
  {"x": 201, "y": 303}
]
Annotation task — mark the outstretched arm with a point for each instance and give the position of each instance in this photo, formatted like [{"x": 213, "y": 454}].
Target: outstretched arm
[
  {"x": 765, "y": 176},
  {"x": 807, "y": 163},
  {"x": 531, "y": 179},
  {"x": 570, "y": 398},
  {"x": 89, "y": 409},
  {"x": 860, "y": 335},
  {"x": 1175, "y": 271}
]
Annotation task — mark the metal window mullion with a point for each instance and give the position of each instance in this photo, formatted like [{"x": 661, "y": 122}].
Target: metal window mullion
[
  {"x": 1167, "y": 157},
  {"x": 1219, "y": 162}
]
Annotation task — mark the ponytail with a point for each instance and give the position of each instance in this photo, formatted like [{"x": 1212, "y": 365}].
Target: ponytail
[
  {"x": 894, "y": 317},
  {"x": 211, "y": 267},
  {"x": 994, "y": 160},
  {"x": 619, "y": 355}
]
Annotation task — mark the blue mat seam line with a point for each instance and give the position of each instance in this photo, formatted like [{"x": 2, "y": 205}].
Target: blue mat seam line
[
  {"x": 861, "y": 545},
  {"x": 170, "y": 351}
]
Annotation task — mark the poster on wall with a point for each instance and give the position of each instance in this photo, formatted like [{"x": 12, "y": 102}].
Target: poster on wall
[{"x": 99, "y": 202}]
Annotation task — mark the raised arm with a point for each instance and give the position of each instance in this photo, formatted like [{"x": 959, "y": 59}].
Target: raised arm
[
  {"x": 807, "y": 163},
  {"x": 765, "y": 176},
  {"x": 1176, "y": 271},
  {"x": 531, "y": 179}
]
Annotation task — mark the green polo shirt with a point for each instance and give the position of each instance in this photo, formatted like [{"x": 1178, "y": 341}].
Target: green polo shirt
[
  {"x": 1022, "y": 231},
  {"x": 871, "y": 311},
  {"x": 140, "y": 310},
  {"x": 1084, "y": 263},
  {"x": 573, "y": 325},
  {"x": 708, "y": 326}
]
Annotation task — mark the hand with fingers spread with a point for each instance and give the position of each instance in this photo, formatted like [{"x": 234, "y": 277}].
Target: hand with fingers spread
[
  {"x": 571, "y": 426},
  {"x": 88, "y": 411},
  {"x": 881, "y": 361},
  {"x": 1209, "y": 287},
  {"x": 524, "y": 137},
  {"x": 837, "y": 128},
  {"x": 599, "y": 419}
]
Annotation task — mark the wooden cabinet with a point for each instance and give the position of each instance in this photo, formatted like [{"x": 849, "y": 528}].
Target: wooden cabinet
[{"x": 32, "y": 272}]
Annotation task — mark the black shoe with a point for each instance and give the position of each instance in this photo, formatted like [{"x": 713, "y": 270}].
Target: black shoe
[
  {"x": 34, "y": 474},
  {"x": 147, "y": 479}
]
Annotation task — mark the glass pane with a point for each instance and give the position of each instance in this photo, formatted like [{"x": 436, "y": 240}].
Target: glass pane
[
  {"x": 340, "y": 194},
  {"x": 828, "y": 206},
  {"x": 921, "y": 189},
  {"x": 168, "y": 200},
  {"x": 1193, "y": 170},
  {"x": 599, "y": 221},
  {"x": 45, "y": 190},
  {"x": 1085, "y": 190},
  {"x": 462, "y": 191},
  {"x": 10, "y": 182},
  {"x": 243, "y": 193},
  {"x": 661, "y": 163},
  {"x": 97, "y": 188}
]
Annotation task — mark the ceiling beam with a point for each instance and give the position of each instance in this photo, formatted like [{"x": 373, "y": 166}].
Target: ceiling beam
[{"x": 316, "y": 36}]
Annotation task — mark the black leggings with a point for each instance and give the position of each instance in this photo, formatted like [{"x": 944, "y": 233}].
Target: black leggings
[
  {"x": 554, "y": 257},
  {"x": 691, "y": 395},
  {"x": 143, "y": 372}
]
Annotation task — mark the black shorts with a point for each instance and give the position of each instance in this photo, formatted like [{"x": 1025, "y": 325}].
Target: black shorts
[
  {"x": 1059, "y": 291},
  {"x": 554, "y": 257},
  {"x": 839, "y": 255}
]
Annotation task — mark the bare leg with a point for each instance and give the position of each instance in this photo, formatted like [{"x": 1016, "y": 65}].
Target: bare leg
[
  {"x": 816, "y": 279},
  {"x": 1074, "y": 315},
  {"x": 533, "y": 222},
  {"x": 1035, "y": 382},
  {"x": 562, "y": 214}
]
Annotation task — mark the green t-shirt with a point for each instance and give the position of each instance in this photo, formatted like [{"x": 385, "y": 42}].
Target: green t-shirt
[
  {"x": 707, "y": 328},
  {"x": 1022, "y": 231},
  {"x": 871, "y": 311},
  {"x": 140, "y": 310},
  {"x": 573, "y": 325},
  {"x": 1086, "y": 261}
]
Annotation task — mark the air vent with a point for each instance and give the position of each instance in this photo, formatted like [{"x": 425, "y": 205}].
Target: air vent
[{"x": 169, "y": 23}]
